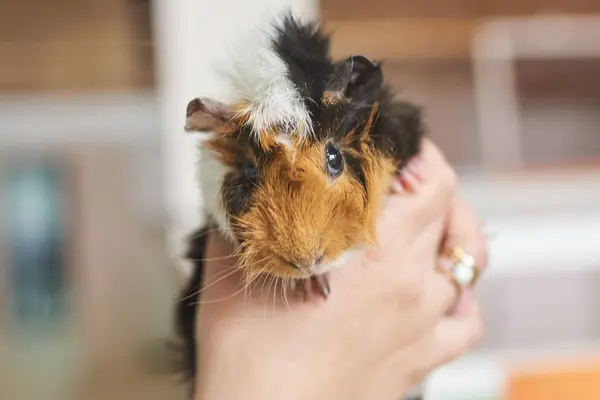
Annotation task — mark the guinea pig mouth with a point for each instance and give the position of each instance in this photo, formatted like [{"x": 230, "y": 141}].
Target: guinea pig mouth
[
  {"x": 312, "y": 265},
  {"x": 306, "y": 271},
  {"x": 285, "y": 265}
]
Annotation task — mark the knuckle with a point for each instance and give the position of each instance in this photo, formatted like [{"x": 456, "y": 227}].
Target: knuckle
[
  {"x": 449, "y": 354},
  {"x": 478, "y": 330},
  {"x": 411, "y": 294},
  {"x": 427, "y": 148},
  {"x": 448, "y": 183},
  {"x": 410, "y": 291},
  {"x": 481, "y": 256},
  {"x": 481, "y": 252},
  {"x": 451, "y": 181},
  {"x": 450, "y": 296},
  {"x": 473, "y": 335}
]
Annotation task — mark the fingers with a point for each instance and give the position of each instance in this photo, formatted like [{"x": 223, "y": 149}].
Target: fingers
[
  {"x": 440, "y": 296},
  {"x": 409, "y": 179},
  {"x": 465, "y": 229},
  {"x": 450, "y": 338},
  {"x": 423, "y": 190},
  {"x": 439, "y": 181},
  {"x": 454, "y": 336},
  {"x": 458, "y": 331}
]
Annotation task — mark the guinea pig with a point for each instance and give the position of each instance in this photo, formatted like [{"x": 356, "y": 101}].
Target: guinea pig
[{"x": 296, "y": 167}]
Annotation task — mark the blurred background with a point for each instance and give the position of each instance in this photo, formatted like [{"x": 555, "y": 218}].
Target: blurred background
[{"x": 97, "y": 178}]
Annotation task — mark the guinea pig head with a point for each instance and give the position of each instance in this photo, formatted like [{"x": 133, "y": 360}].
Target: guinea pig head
[{"x": 297, "y": 200}]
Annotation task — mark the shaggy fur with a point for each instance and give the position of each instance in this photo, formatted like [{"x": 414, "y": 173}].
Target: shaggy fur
[
  {"x": 265, "y": 177},
  {"x": 260, "y": 80}
]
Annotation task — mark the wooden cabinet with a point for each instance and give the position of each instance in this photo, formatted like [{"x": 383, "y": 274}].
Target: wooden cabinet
[
  {"x": 74, "y": 45},
  {"x": 427, "y": 29},
  {"x": 385, "y": 9}
]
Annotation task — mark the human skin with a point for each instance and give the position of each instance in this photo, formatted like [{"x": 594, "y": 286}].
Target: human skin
[{"x": 390, "y": 319}]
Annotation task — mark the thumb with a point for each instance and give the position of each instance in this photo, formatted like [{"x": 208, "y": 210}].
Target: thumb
[{"x": 455, "y": 334}]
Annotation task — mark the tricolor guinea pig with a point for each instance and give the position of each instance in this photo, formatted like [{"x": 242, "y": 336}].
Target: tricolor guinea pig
[{"x": 296, "y": 167}]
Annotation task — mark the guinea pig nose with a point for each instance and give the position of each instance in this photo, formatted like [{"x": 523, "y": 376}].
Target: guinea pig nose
[
  {"x": 294, "y": 265},
  {"x": 307, "y": 262},
  {"x": 319, "y": 260}
]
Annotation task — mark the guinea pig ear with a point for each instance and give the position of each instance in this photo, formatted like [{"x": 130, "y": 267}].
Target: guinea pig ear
[
  {"x": 356, "y": 79},
  {"x": 206, "y": 115}
]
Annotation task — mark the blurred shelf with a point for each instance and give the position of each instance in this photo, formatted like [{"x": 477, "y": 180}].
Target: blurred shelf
[
  {"x": 496, "y": 49},
  {"x": 543, "y": 221},
  {"x": 402, "y": 38},
  {"x": 36, "y": 121},
  {"x": 517, "y": 191},
  {"x": 74, "y": 45},
  {"x": 374, "y": 9}
]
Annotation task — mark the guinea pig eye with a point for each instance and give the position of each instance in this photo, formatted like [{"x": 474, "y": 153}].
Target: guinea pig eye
[
  {"x": 335, "y": 161},
  {"x": 251, "y": 172}
]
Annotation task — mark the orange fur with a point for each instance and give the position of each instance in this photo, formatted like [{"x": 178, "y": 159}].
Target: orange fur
[{"x": 298, "y": 213}]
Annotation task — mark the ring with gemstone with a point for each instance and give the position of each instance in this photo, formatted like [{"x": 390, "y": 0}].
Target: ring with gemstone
[{"x": 462, "y": 272}]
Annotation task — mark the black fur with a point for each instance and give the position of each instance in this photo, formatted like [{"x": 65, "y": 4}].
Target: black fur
[
  {"x": 355, "y": 168},
  {"x": 358, "y": 79},
  {"x": 399, "y": 129},
  {"x": 396, "y": 133},
  {"x": 186, "y": 308},
  {"x": 236, "y": 193},
  {"x": 305, "y": 50}
]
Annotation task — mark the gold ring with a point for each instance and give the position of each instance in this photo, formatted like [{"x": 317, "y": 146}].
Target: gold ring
[{"x": 463, "y": 271}]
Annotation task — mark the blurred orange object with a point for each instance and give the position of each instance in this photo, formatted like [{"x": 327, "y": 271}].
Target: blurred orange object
[{"x": 566, "y": 380}]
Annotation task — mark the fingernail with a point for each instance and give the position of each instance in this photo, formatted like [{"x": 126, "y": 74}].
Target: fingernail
[
  {"x": 408, "y": 180},
  {"x": 397, "y": 185}
]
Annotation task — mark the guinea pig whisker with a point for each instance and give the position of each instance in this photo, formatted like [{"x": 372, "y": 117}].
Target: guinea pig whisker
[
  {"x": 281, "y": 289},
  {"x": 270, "y": 285},
  {"x": 274, "y": 295},
  {"x": 272, "y": 278},
  {"x": 262, "y": 289},
  {"x": 204, "y": 233},
  {"x": 238, "y": 185},
  {"x": 209, "y": 259},
  {"x": 243, "y": 288},
  {"x": 248, "y": 293},
  {"x": 204, "y": 287},
  {"x": 222, "y": 298},
  {"x": 227, "y": 272},
  {"x": 284, "y": 289}
]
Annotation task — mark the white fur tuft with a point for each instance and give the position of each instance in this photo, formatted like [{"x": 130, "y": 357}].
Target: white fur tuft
[
  {"x": 260, "y": 77},
  {"x": 210, "y": 176}
]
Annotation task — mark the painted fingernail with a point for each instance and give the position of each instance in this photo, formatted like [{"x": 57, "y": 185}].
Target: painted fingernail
[{"x": 409, "y": 181}]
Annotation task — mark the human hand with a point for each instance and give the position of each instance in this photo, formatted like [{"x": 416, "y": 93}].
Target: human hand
[{"x": 383, "y": 328}]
